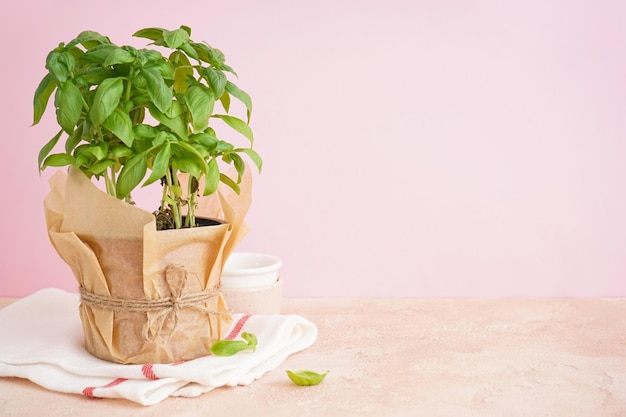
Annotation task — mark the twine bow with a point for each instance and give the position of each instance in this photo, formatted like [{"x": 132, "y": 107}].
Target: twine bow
[{"x": 161, "y": 309}]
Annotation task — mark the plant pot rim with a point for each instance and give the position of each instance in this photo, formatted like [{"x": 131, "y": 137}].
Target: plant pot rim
[{"x": 201, "y": 222}]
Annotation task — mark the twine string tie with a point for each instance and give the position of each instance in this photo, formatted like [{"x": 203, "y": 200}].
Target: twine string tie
[{"x": 158, "y": 310}]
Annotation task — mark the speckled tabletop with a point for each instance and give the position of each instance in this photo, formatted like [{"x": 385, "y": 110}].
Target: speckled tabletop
[{"x": 413, "y": 357}]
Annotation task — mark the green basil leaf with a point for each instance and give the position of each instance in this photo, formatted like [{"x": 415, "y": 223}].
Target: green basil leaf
[
  {"x": 120, "y": 151},
  {"x": 120, "y": 124},
  {"x": 182, "y": 71},
  {"x": 188, "y": 165},
  {"x": 175, "y": 38},
  {"x": 98, "y": 151},
  {"x": 217, "y": 80},
  {"x": 42, "y": 96},
  {"x": 218, "y": 58},
  {"x": 200, "y": 102},
  {"x": 175, "y": 123},
  {"x": 99, "y": 54},
  {"x": 253, "y": 155},
  {"x": 45, "y": 150},
  {"x": 231, "y": 347},
  {"x": 75, "y": 52},
  {"x": 211, "y": 177},
  {"x": 95, "y": 76},
  {"x": 60, "y": 65},
  {"x": 227, "y": 68},
  {"x": 162, "y": 137},
  {"x": 228, "y": 347},
  {"x": 106, "y": 99},
  {"x": 251, "y": 339},
  {"x": 75, "y": 138},
  {"x": 241, "y": 95},
  {"x": 90, "y": 39},
  {"x": 150, "y": 33},
  {"x": 69, "y": 104},
  {"x": 176, "y": 110},
  {"x": 229, "y": 182},
  {"x": 306, "y": 378},
  {"x": 185, "y": 150},
  {"x": 145, "y": 131},
  {"x": 58, "y": 160},
  {"x": 203, "y": 51},
  {"x": 81, "y": 161},
  {"x": 190, "y": 51},
  {"x": 206, "y": 141},
  {"x": 223, "y": 146},
  {"x": 225, "y": 99},
  {"x": 237, "y": 124},
  {"x": 118, "y": 56},
  {"x": 158, "y": 91},
  {"x": 240, "y": 166},
  {"x": 160, "y": 164},
  {"x": 131, "y": 175},
  {"x": 100, "y": 167}
]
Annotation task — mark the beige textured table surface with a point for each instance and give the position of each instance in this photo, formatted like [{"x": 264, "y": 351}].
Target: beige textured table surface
[{"x": 413, "y": 357}]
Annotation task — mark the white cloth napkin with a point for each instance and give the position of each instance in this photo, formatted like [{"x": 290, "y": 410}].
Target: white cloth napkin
[{"x": 41, "y": 339}]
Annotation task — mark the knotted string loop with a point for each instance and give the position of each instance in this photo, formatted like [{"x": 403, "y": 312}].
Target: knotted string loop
[{"x": 160, "y": 309}]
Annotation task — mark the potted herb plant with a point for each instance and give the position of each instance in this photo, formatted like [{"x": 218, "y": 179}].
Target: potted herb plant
[{"x": 135, "y": 117}]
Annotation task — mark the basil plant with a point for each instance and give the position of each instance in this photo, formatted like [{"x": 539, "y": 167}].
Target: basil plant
[{"x": 135, "y": 117}]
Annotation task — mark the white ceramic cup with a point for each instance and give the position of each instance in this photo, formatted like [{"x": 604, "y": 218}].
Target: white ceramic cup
[
  {"x": 250, "y": 283},
  {"x": 250, "y": 270}
]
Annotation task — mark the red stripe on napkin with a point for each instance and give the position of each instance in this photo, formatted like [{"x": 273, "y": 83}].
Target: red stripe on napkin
[
  {"x": 147, "y": 371},
  {"x": 88, "y": 392},
  {"x": 233, "y": 333}
]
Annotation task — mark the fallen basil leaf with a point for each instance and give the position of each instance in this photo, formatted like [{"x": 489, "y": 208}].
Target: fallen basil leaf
[
  {"x": 228, "y": 347},
  {"x": 231, "y": 347},
  {"x": 251, "y": 339},
  {"x": 306, "y": 378}
]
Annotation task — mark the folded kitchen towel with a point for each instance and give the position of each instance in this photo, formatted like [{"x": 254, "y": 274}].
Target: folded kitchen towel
[{"x": 42, "y": 340}]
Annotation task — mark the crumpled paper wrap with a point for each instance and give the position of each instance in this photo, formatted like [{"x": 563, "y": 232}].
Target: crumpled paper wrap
[{"x": 147, "y": 296}]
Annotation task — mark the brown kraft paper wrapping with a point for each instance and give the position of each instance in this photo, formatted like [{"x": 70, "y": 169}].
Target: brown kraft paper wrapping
[{"x": 147, "y": 296}]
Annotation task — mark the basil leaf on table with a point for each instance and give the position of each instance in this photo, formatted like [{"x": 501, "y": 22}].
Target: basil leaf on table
[{"x": 306, "y": 378}]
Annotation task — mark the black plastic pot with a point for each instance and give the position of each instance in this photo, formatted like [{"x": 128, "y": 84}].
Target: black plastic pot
[{"x": 206, "y": 221}]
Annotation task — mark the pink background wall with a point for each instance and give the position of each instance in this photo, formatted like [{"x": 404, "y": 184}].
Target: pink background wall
[{"x": 411, "y": 147}]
